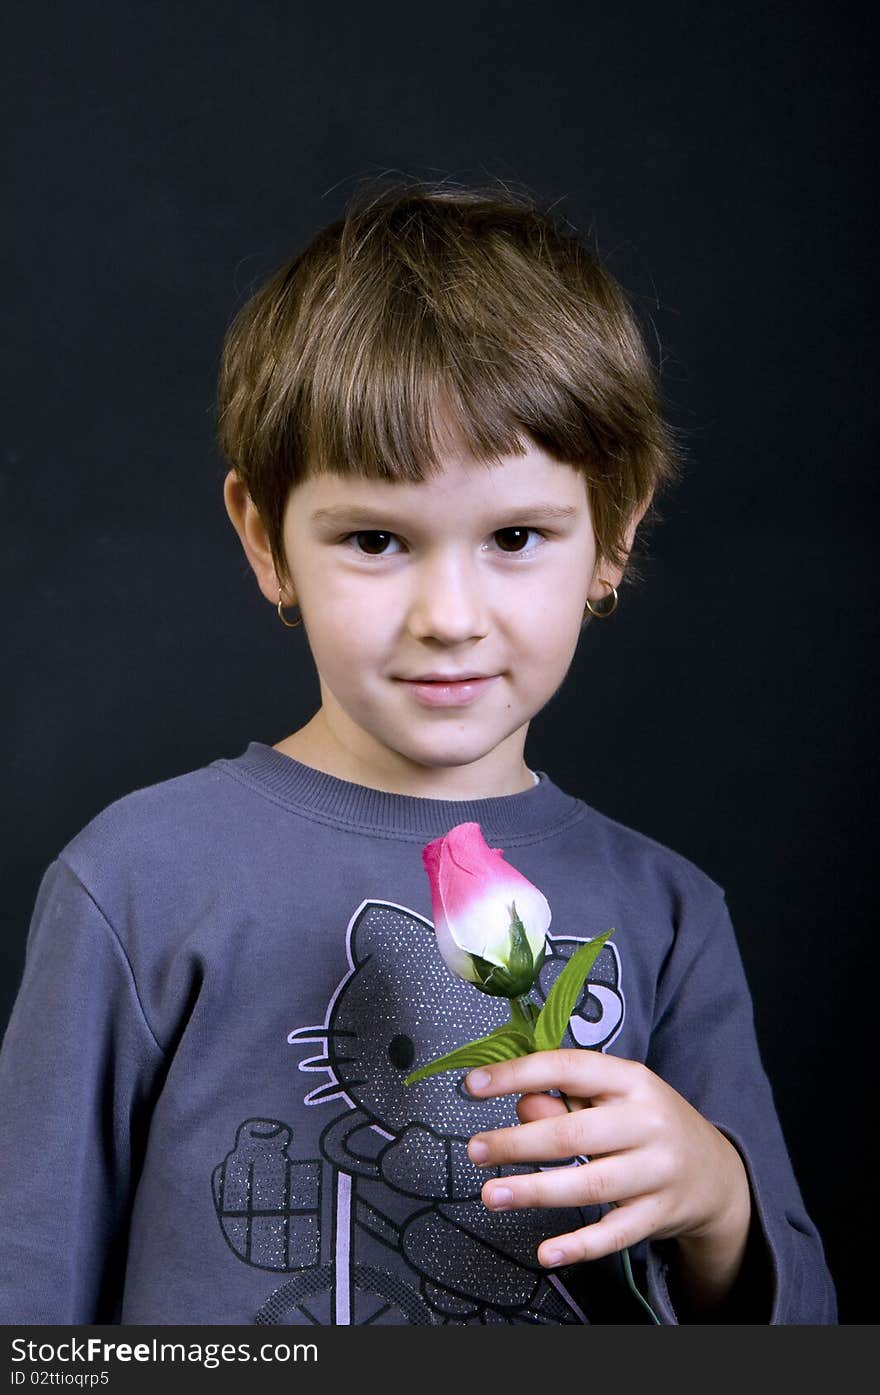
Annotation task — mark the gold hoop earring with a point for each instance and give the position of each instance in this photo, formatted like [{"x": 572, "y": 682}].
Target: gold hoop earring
[
  {"x": 609, "y": 610},
  {"x": 290, "y": 624}
]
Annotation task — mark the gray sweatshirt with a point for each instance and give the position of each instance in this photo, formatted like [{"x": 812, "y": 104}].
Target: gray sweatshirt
[{"x": 228, "y": 976}]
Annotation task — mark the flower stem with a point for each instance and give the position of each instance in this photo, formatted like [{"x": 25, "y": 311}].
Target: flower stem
[
  {"x": 624, "y": 1253},
  {"x": 523, "y": 1015}
]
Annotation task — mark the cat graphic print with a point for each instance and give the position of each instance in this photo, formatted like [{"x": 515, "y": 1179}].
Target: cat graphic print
[{"x": 387, "y": 1226}]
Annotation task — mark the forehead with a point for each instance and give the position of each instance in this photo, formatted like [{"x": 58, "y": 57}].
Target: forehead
[{"x": 531, "y": 481}]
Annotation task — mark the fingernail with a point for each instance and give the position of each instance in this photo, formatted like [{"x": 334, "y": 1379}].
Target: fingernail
[
  {"x": 478, "y": 1080},
  {"x": 553, "y": 1257},
  {"x": 500, "y": 1196},
  {"x": 477, "y": 1150}
]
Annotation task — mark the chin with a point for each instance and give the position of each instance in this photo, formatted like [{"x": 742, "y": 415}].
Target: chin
[{"x": 447, "y": 756}]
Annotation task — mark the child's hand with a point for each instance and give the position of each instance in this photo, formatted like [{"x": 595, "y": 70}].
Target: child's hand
[{"x": 669, "y": 1171}]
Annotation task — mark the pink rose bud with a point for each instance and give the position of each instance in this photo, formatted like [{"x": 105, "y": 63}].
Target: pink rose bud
[{"x": 490, "y": 921}]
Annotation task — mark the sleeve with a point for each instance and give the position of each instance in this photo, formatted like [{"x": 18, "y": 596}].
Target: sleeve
[
  {"x": 704, "y": 1046},
  {"x": 78, "y": 1067}
]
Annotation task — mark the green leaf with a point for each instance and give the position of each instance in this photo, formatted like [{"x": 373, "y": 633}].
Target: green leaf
[
  {"x": 553, "y": 1018},
  {"x": 501, "y": 1045}
]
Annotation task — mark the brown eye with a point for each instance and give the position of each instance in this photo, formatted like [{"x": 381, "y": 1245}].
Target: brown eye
[
  {"x": 515, "y": 535},
  {"x": 371, "y": 536}
]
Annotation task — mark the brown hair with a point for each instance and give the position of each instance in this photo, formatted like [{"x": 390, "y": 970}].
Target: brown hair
[{"x": 427, "y": 296}]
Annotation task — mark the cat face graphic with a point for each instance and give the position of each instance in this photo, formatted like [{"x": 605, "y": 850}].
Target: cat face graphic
[{"x": 400, "y": 1007}]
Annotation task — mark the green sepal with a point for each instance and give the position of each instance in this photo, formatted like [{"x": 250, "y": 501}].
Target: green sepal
[
  {"x": 520, "y": 962},
  {"x": 553, "y": 1017},
  {"x": 501, "y": 1045},
  {"x": 516, "y": 977},
  {"x": 499, "y": 981}
]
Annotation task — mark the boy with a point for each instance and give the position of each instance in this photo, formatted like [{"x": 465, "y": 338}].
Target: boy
[{"x": 443, "y": 433}]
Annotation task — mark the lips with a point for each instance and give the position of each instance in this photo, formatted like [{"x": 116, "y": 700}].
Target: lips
[
  {"x": 449, "y": 692},
  {"x": 445, "y": 677}
]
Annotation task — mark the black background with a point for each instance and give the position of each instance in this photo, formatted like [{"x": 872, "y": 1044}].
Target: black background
[{"x": 163, "y": 158}]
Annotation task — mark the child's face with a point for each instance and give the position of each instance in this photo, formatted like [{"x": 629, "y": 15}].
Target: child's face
[{"x": 461, "y": 574}]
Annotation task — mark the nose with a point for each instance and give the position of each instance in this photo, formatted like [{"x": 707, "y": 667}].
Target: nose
[{"x": 448, "y": 601}]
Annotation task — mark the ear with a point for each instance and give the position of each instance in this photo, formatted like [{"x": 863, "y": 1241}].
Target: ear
[
  {"x": 252, "y": 534},
  {"x": 607, "y": 570}
]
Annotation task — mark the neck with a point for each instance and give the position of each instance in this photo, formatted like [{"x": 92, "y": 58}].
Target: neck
[{"x": 319, "y": 746}]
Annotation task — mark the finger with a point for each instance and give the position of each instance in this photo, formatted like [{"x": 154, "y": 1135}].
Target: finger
[
  {"x": 531, "y": 1107},
  {"x": 579, "y": 1184},
  {"x": 620, "y": 1228},
  {"x": 579, "y": 1072},
  {"x": 604, "y": 1129}
]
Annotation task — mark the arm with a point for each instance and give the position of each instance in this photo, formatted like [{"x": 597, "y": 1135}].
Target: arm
[
  {"x": 777, "y": 1267},
  {"x": 78, "y": 1067}
]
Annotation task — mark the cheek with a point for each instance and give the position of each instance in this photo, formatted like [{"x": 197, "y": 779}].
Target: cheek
[
  {"x": 345, "y": 628},
  {"x": 555, "y": 650},
  {"x": 550, "y": 647},
  {"x": 558, "y": 594},
  {"x": 550, "y": 629}
]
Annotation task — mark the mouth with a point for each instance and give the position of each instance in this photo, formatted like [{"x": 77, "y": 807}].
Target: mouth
[{"x": 445, "y": 692}]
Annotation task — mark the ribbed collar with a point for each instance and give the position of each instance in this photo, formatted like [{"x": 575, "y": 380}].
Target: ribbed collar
[{"x": 520, "y": 817}]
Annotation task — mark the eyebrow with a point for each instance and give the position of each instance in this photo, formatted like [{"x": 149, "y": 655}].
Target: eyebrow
[{"x": 359, "y": 513}]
